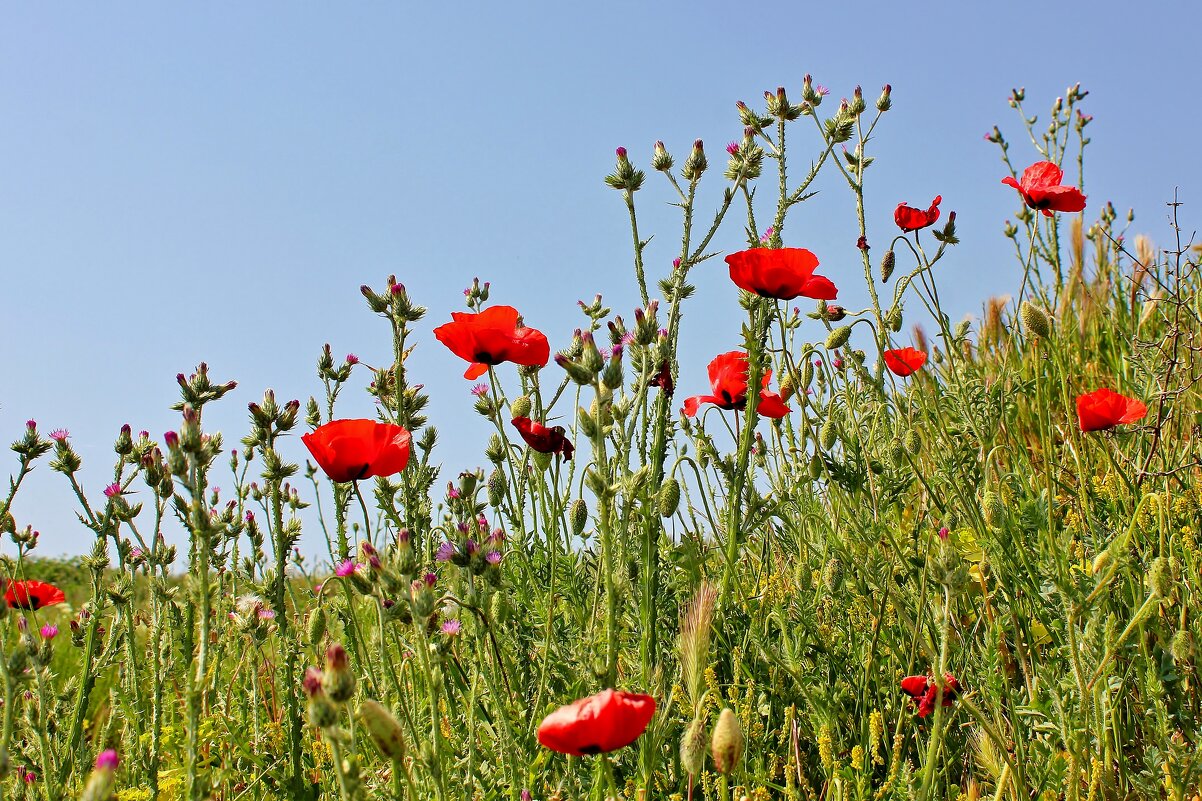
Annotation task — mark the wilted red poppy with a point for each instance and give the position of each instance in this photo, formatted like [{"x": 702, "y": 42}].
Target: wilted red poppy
[
  {"x": 924, "y": 691},
  {"x": 349, "y": 450},
  {"x": 607, "y": 721},
  {"x": 493, "y": 336},
  {"x": 1041, "y": 189},
  {"x": 782, "y": 273},
  {"x": 542, "y": 438},
  {"x": 904, "y": 361},
  {"x": 909, "y": 218},
  {"x": 728, "y": 379},
  {"x": 32, "y": 594},
  {"x": 1104, "y": 408},
  {"x": 663, "y": 379}
]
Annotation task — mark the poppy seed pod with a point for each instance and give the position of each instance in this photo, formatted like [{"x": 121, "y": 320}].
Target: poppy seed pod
[
  {"x": 727, "y": 742},
  {"x": 1036, "y": 320},
  {"x": 384, "y": 730},
  {"x": 669, "y": 497},
  {"x": 692, "y": 748}
]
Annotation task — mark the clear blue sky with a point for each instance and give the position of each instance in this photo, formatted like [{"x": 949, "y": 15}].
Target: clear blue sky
[{"x": 182, "y": 183}]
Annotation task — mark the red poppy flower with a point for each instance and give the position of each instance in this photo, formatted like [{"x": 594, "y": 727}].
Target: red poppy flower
[
  {"x": 905, "y": 361},
  {"x": 782, "y": 273},
  {"x": 663, "y": 379},
  {"x": 493, "y": 336},
  {"x": 610, "y": 720},
  {"x": 349, "y": 450},
  {"x": 924, "y": 691},
  {"x": 909, "y": 218},
  {"x": 542, "y": 438},
  {"x": 33, "y": 594},
  {"x": 728, "y": 380},
  {"x": 1041, "y": 189},
  {"x": 1103, "y": 409}
]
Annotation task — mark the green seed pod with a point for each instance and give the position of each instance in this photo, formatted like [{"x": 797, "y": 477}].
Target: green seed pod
[
  {"x": 1182, "y": 648},
  {"x": 520, "y": 406},
  {"x": 838, "y": 338},
  {"x": 692, "y": 748},
  {"x": 498, "y": 608},
  {"x": 893, "y": 318},
  {"x": 727, "y": 743},
  {"x": 669, "y": 497},
  {"x": 1100, "y": 562},
  {"x": 807, "y": 374},
  {"x": 992, "y": 509},
  {"x": 887, "y": 264},
  {"x": 1160, "y": 578},
  {"x": 1037, "y": 321},
  {"x": 815, "y": 467},
  {"x": 317, "y": 626},
  {"x": 832, "y": 574},
  {"x": 897, "y": 452},
  {"x": 384, "y": 730},
  {"x": 497, "y": 485},
  {"x": 913, "y": 442},
  {"x": 828, "y": 434},
  {"x": 578, "y": 514}
]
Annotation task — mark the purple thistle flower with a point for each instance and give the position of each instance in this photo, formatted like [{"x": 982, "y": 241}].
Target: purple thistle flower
[
  {"x": 470, "y": 547},
  {"x": 107, "y": 760},
  {"x": 480, "y": 390},
  {"x": 266, "y": 614},
  {"x": 112, "y": 490},
  {"x": 344, "y": 569},
  {"x": 430, "y": 579},
  {"x": 60, "y": 434},
  {"x": 451, "y": 627},
  {"x": 445, "y": 552},
  {"x": 352, "y": 359},
  {"x": 732, "y": 148},
  {"x": 493, "y": 557},
  {"x": 49, "y": 631},
  {"x": 768, "y": 234}
]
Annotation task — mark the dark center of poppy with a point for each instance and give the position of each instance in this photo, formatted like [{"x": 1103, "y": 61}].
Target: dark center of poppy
[
  {"x": 484, "y": 357},
  {"x": 362, "y": 472},
  {"x": 589, "y": 749}
]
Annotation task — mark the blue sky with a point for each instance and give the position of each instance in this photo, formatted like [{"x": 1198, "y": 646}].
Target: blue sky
[{"x": 182, "y": 183}]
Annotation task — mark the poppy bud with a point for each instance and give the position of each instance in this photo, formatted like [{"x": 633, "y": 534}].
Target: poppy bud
[
  {"x": 897, "y": 452},
  {"x": 807, "y": 375},
  {"x": 727, "y": 743},
  {"x": 786, "y": 387},
  {"x": 893, "y": 318},
  {"x": 669, "y": 497},
  {"x": 1182, "y": 647},
  {"x": 815, "y": 467},
  {"x": 913, "y": 442},
  {"x": 887, "y": 263},
  {"x": 835, "y": 313},
  {"x": 992, "y": 509},
  {"x": 1160, "y": 578},
  {"x": 832, "y": 574},
  {"x": 497, "y": 485},
  {"x": 692, "y": 748},
  {"x": 661, "y": 159},
  {"x": 384, "y": 730},
  {"x": 317, "y": 626},
  {"x": 1036, "y": 320},
  {"x": 520, "y": 407},
  {"x": 827, "y": 434},
  {"x": 838, "y": 338},
  {"x": 578, "y": 515}
]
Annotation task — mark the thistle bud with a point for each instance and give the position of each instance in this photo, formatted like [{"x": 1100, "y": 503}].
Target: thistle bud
[
  {"x": 612, "y": 377},
  {"x": 338, "y": 681},
  {"x": 857, "y": 104},
  {"x": 696, "y": 163},
  {"x": 661, "y": 159},
  {"x": 888, "y": 261},
  {"x": 520, "y": 406},
  {"x": 669, "y": 497},
  {"x": 578, "y": 515},
  {"x": 495, "y": 450},
  {"x": 884, "y": 102},
  {"x": 727, "y": 743},
  {"x": 125, "y": 443},
  {"x": 692, "y": 748},
  {"x": 1036, "y": 320},
  {"x": 103, "y": 780},
  {"x": 838, "y": 338},
  {"x": 384, "y": 730},
  {"x": 575, "y": 371}
]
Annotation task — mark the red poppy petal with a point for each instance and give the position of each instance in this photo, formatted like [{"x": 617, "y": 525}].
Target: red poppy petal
[
  {"x": 475, "y": 370},
  {"x": 914, "y": 686},
  {"x": 691, "y": 405},
  {"x": 1060, "y": 198},
  {"x": 1041, "y": 174},
  {"x": 819, "y": 287},
  {"x": 771, "y": 405}
]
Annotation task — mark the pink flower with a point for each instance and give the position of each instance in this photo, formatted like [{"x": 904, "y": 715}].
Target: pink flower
[
  {"x": 451, "y": 627},
  {"x": 352, "y": 359},
  {"x": 480, "y": 390},
  {"x": 60, "y": 434},
  {"x": 107, "y": 760},
  {"x": 49, "y": 631},
  {"x": 112, "y": 490},
  {"x": 345, "y": 568}
]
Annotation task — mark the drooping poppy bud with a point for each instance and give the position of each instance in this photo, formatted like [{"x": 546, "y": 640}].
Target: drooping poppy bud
[{"x": 727, "y": 742}]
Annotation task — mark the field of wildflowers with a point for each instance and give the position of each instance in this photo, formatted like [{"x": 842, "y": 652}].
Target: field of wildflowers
[{"x": 846, "y": 561}]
